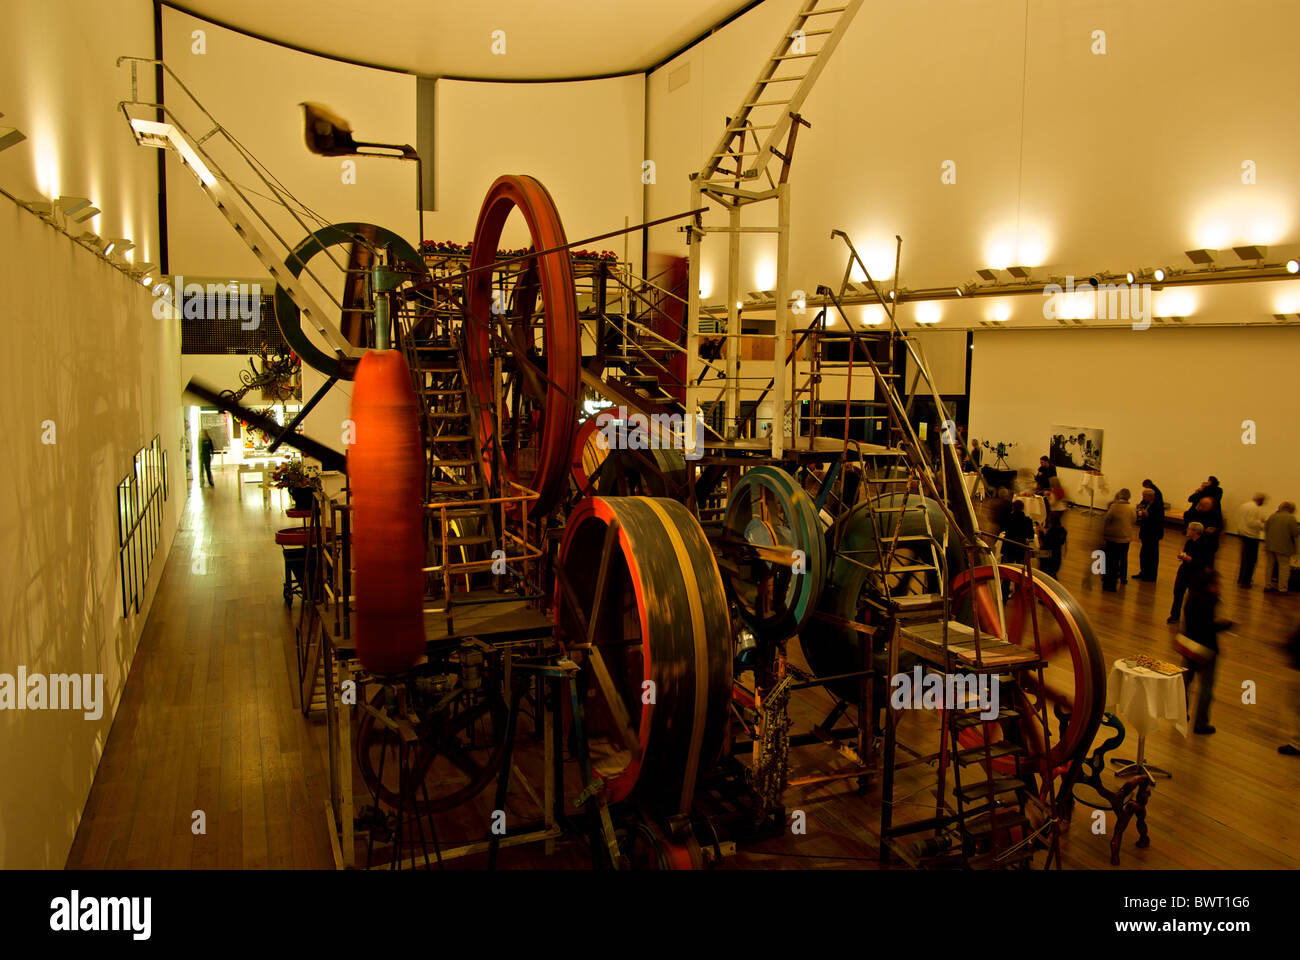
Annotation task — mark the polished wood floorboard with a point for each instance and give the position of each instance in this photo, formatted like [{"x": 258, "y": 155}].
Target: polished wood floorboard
[{"x": 209, "y": 722}]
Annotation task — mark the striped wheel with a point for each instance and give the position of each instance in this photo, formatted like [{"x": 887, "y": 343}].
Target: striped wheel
[
  {"x": 768, "y": 510},
  {"x": 640, "y": 601}
]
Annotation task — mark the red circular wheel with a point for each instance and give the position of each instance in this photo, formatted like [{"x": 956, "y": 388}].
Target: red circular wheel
[
  {"x": 638, "y": 581},
  {"x": 540, "y": 349},
  {"x": 1074, "y": 677}
]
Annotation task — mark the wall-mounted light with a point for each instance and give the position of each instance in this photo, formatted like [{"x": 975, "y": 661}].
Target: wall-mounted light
[
  {"x": 1251, "y": 252},
  {"x": 1020, "y": 273},
  {"x": 1130, "y": 277},
  {"x": 10, "y": 136},
  {"x": 1201, "y": 257},
  {"x": 1293, "y": 266},
  {"x": 119, "y": 246},
  {"x": 988, "y": 273}
]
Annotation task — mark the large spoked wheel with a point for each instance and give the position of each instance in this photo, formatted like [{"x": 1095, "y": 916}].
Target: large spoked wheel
[
  {"x": 538, "y": 341},
  {"x": 1074, "y": 677},
  {"x": 832, "y": 641},
  {"x": 361, "y": 240},
  {"x": 768, "y": 509},
  {"x": 458, "y": 755},
  {"x": 637, "y": 582}
]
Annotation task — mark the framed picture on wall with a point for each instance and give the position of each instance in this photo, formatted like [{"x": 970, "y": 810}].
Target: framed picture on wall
[{"x": 1075, "y": 448}]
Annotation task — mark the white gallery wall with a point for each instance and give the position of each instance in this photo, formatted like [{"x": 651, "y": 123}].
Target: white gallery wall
[
  {"x": 1174, "y": 405},
  {"x": 1064, "y": 158},
  {"x": 106, "y": 372},
  {"x": 59, "y": 85}
]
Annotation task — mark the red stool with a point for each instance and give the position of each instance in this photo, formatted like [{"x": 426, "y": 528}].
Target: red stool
[{"x": 294, "y": 541}]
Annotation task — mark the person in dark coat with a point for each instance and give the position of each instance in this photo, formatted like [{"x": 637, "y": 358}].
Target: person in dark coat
[
  {"x": 1209, "y": 488},
  {"x": 1209, "y": 513},
  {"x": 1019, "y": 533},
  {"x": 1194, "y": 558},
  {"x": 1043, "y": 478},
  {"x": 1053, "y": 540},
  {"x": 1201, "y": 624},
  {"x": 1148, "y": 485},
  {"x": 1151, "y": 530},
  {"x": 206, "y": 449}
]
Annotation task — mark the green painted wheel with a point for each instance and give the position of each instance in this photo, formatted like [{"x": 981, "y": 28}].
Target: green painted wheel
[
  {"x": 769, "y": 509},
  {"x": 289, "y": 317}
]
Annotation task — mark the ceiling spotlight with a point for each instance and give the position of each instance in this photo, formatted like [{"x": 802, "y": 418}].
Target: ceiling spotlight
[
  {"x": 119, "y": 245},
  {"x": 1251, "y": 252},
  {"x": 988, "y": 273},
  {"x": 1093, "y": 282},
  {"x": 1130, "y": 277},
  {"x": 1293, "y": 266},
  {"x": 1201, "y": 257},
  {"x": 1159, "y": 274},
  {"x": 1020, "y": 273}
]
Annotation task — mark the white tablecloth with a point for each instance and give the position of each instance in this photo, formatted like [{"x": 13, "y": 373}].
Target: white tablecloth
[
  {"x": 1096, "y": 484},
  {"x": 1143, "y": 698}
]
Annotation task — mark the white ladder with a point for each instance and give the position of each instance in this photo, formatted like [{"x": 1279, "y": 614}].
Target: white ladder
[{"x": 780, "y": 90}]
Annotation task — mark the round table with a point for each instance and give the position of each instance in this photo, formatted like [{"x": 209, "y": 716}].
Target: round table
[
  {"x": 1145, "y": 699},
  {"x": 1094, "y": 485}
]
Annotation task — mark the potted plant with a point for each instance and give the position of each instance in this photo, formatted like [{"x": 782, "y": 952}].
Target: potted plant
[{"x": 301, "y": 481}]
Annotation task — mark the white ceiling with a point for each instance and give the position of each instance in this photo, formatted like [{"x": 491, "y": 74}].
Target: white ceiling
[{"x": 544, "y": 39}]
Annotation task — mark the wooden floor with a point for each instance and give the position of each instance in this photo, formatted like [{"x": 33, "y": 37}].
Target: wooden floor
[{"x": 208, "y": 722}]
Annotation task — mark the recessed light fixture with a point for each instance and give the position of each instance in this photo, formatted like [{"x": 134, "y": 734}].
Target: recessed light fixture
[
  {"x": 1201, "y": 257},
  {"x": 1251, "y": 252}
]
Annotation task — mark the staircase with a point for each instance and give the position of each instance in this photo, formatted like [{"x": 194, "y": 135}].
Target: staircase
[{"x": 460, "y": 531}]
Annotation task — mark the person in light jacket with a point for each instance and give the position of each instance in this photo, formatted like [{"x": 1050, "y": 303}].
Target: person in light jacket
[
  {"x": 1119, "y": 529},
  {"x": 1250, "y": 528},
  {"x": 1281, "y": 532}
]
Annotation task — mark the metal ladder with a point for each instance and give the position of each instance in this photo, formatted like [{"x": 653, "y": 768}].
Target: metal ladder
[
  {"x": 156, "y": 125},
  {"x": 806, "y": 46}
]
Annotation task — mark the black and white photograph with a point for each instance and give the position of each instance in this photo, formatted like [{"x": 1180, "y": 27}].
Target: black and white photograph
[{"x": 1076, "y": 448}]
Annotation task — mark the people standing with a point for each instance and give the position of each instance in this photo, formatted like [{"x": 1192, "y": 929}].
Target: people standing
[
  {"x": 1019, "y": 534},
  {"x": 1208, "y": 512},
  {"x": 1160, "y": 497},
  {"x": 1250, "y": 528},
  {"x": 1281, "y": 533},
  {"x": 1053, "y": 540},
  {"x": 206, "y": 449},
  {"x": 1195, "y": 557},
  {"x": 1202, "y": 626},
  {"x": 1119, "y": 527},
  {"x": 1151, "y": 530}
]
